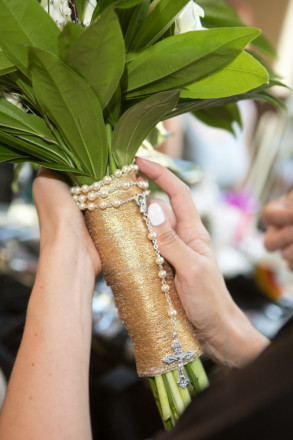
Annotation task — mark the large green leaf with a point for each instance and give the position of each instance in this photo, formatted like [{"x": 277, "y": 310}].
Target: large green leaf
[
  {"x": 122, "y": 4},
  {"x": 5, "y": 65},
  {"x": 138, "y": 16},
  {"x": 221, "y": 117},
  {"x": 9, "y": 154},
  {"x": 24, "y": 23},
  {"x": 70, "y": 33},
  {"x": 243, "y": 74},
  {"x": 81, "y": 8},
  {"x": 157, "y": 22},
  {"x": 33, "y": 145},
  {"x": 13, "y": 118},
  {"x": 73, "y": 107},
  {"x": 137, "y": 122},
  {"x": 201, "y": 53},
  {"x": 219, "y": 13},
  {"x": 12, "y": 155},
  {"x": 200, "y": 104},
  {"x": 98, "y": 55}
]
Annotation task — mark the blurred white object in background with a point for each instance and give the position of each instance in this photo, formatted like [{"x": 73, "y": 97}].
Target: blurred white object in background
[
  {"x": 220, "y": 154},
  {"x": 284, "y": 63},
  {"x": 2, "y": 388}
]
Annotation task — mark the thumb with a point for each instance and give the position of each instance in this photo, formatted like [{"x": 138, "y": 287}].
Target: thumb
[{"x": 172, "y": 248}]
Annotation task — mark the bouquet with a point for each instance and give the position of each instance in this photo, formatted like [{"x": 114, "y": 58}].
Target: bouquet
[{"x": 82, "y": 86}]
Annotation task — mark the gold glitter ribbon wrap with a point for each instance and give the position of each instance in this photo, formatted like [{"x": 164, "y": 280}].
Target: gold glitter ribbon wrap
[{"x": 120, "y": 236}]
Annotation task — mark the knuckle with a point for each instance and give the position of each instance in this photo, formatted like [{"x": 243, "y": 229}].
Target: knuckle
[
  {"x": 268, "y": 243},
  {"x": 167, "y": 237},
  {"x": 186, "y": 189}
]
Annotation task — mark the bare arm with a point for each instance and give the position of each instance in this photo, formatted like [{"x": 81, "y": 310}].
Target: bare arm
[{"x": 47, "y": 395}]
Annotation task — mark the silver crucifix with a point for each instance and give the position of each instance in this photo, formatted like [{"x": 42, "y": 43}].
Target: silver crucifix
[{"x": 179, "y": 357}]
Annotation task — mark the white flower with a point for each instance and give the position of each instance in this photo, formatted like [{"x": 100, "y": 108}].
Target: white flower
[
  {"x": 13, "y": 99},
  {"x": 89, "y": 12},
  {"x": 189, "y": 19},
  {"x": 86, "y": 22},
  {"x": 67, "y": 11}
]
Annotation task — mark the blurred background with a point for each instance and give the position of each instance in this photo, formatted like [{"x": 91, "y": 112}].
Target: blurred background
[{"x": 232, "y": 177}]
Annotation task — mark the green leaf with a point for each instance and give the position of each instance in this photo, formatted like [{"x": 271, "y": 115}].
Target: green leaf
[
  {"x": 73, "y": 107},
  {"x": 122, "y": 4},
  {"x": 25, "y": 86},
  {"x": 200, "y": 104},
  {"x": 12, "y": 155},
  {"x": 81, "y": 8},
  {"x": 98, "y": 55},
  {"x": 32, "y": 145},
  {"x": 112, "y": 111},
  {"x": 5, "y": 65},
  {"x": 243, "y": 74},
  {"x": 137, "y": 19},
  {"x": 137, "y": 122},
  {"x": 13, "y": 118},
  {"x": 221, "y": 117},
  {"x": 265, "y": 46},
  {"x": 202, "y": 53},
  {"x": 125, "y": 4},
  {"x": 9, "y": 154},
  {"x": 25, "y": 23},
  {"x": 218, "y": 13},
  {"x": 158, "y": 21},
  {"x": 70, "y": 33}
]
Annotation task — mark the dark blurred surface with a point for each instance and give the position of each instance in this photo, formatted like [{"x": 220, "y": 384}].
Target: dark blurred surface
[{"x": 6, "y": 176}]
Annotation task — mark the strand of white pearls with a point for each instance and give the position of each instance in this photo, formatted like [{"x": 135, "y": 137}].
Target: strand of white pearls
[
  {"x": 87, "y": 195},
  {"x": 162, "y": 274}
]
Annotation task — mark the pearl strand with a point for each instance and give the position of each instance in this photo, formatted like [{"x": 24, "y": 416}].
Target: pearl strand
[{"x": 90, "y": 193}]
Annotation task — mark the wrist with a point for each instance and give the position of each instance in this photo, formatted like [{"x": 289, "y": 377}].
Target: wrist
[
  {"x": 236, "y": 343},
  {"x": 73, "y": 247},
  {"x": 245, "y": 342}
]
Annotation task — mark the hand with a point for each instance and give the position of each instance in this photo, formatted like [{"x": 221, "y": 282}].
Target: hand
[
  {"x": 223, "y": 330},
  {"x": 60, "y": 219},
  {"x": 278, "y": 216}
]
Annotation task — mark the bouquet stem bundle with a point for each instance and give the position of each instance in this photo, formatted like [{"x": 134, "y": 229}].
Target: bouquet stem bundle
[{"x": 172, "y": 400}]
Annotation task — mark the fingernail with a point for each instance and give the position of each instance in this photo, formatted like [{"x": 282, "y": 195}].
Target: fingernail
[{"x": 156, "y": 214}]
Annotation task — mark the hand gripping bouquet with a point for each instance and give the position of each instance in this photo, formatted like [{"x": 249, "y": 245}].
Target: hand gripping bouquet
[{"x": 88, "y": 91}]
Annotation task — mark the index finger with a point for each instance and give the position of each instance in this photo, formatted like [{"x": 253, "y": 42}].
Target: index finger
[
  {"x": 179, "y": 193},
  {"x": 278, "y": 213}
]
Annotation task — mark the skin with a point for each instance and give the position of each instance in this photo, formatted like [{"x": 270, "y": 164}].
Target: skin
[
  {"x": 48, "y": 390},
  {"x": 278, "y": 217}
]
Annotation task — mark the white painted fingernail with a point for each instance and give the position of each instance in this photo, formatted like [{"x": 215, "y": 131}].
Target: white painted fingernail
[{"x": 156, "y": 214}]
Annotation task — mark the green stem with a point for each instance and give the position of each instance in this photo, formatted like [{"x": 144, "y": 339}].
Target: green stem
[
  {"x": 164, "y": 402},
  {"x": 179, "y": 405},
  {"x": 168, "y": 424},
  {"x": 175, "y": 415},
  {"x": 184, "y": 392},
  {"x": 198, "y": 370},
  {"x": 112, "y": 164}
]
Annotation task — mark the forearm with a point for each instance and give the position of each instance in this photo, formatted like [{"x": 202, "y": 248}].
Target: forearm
[{"x": 48, "y": 391}]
